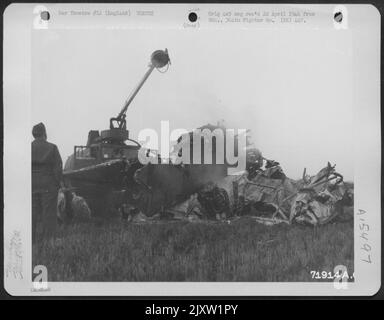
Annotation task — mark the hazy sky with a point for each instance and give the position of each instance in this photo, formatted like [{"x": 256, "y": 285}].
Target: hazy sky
[{"x": 291, "y": 88}]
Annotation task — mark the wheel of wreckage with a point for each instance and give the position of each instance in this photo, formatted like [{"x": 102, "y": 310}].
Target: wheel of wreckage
[
  {"x": 221, "y": 201},
  {"x": 215, "y": 202}
]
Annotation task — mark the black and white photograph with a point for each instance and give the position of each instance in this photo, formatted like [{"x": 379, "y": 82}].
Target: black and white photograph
[{"x": 192, "y": 146}]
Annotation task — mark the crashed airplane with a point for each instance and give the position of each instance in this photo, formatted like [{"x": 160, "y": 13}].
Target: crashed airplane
[
  {"x": 105, "y": 178},
  {"x": 262, "y": 192},
  {"x": 269, "y": 196}
]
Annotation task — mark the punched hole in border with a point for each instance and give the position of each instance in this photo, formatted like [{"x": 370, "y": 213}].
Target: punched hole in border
[
  {"x": 192, "y": 17},
  {"x": 45, "y": 15},
  {"x": 338, "y": 17}
]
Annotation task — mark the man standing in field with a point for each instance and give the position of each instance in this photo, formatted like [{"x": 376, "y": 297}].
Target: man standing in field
[{"x": 46, "y": 179}]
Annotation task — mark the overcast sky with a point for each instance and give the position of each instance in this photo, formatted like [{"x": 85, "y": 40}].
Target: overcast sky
[{"x": 291, "y": 88}]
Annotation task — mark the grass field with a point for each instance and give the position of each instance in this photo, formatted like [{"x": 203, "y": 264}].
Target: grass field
[{"x": 243, "y": 250}]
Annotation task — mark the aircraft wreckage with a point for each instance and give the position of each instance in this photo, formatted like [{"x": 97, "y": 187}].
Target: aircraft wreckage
[{"x": 105, "y": 179}]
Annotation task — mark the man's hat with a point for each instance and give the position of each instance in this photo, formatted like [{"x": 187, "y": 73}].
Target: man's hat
[{"x": 39, "y": 130}]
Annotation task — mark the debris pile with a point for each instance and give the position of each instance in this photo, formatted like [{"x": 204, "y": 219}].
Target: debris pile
[
  {"x": 264, "y": 193},
  {"x": 270, "y": 197},
  {"x": 169, "y": 191},
  {"x": 322, "y": 198}
]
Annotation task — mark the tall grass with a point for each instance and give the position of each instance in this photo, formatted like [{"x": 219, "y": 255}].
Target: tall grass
[{"x": 183, "y": 251}]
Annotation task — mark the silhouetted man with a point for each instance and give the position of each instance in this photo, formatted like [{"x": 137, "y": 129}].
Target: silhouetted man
[{"x": 46, "y": 179}]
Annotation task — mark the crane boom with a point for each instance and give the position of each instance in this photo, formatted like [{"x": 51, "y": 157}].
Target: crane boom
[
  {"x": 159, "y": 59},
  {"x": 135, "y": 91}
]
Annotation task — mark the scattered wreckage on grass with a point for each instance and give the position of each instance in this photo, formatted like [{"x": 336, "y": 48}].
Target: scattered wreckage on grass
[
  {"x": 270, "y": 197},
  {"x": 264, "y": 194}
]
